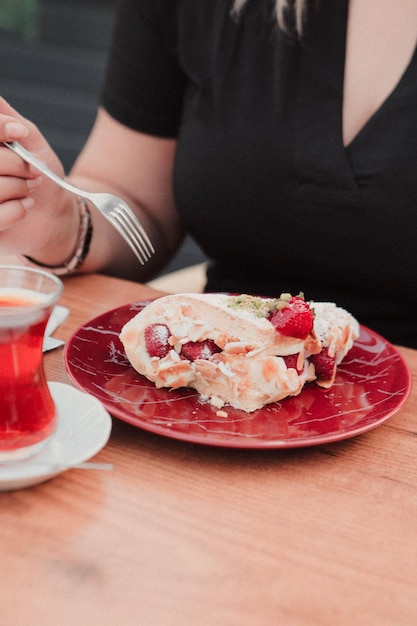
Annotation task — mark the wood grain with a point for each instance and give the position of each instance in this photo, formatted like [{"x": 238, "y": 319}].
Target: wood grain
[{"x": 181, "y": 534}]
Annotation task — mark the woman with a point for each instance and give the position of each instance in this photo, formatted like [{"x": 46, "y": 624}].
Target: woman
[{"x": 289, "y": 153}]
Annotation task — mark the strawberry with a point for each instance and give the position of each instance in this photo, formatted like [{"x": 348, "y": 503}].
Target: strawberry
[
  {"x": 291, "y": 362},
  {"x": 324, "y": 364},
  {"x": 193, "y": 350},
  {"x": 294, "y": 318},
  {"x": 156, "y": 340}
]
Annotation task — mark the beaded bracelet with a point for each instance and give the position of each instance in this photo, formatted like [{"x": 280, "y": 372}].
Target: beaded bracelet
[{"x": 77, "y": 257}]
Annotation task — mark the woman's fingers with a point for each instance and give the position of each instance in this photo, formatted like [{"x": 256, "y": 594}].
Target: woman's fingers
[
  {"x": 16, "y": 199},
  {"x": 18, "y": 180},
  {"x": 14, "y": 211},
  {"x": 13, "y": 126},
  {"x": 29, "y": 212},
  {"x": 12, "y": 188},
  {"x": 14, "y": 131},
  {"x": 12, "y": 165}
]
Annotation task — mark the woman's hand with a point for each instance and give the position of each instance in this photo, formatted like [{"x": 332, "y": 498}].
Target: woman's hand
[
  {"x": 35, "y": 214},
  {"x": 41, "y": 220}
]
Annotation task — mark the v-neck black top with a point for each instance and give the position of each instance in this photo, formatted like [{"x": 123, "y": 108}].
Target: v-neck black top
[{"x": 262, "y": 179}]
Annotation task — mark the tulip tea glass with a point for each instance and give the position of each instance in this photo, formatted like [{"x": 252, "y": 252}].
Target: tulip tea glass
[{"x": 27, "y": 409}]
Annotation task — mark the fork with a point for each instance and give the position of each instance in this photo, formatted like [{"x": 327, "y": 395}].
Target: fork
[{"x": 114, "y": 209}]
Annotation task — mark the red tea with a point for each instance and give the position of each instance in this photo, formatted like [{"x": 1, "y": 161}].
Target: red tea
[{"x": 27, "y": 411}]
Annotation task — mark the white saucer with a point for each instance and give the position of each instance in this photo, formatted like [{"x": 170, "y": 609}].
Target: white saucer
[{"x": 84, "y": 427}]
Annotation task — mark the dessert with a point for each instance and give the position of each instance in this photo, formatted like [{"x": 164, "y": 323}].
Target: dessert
[{"x": 244, "y": 351}]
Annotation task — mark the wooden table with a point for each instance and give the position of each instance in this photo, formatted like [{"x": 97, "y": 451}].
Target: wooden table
[{"x": 182, "y": 534}]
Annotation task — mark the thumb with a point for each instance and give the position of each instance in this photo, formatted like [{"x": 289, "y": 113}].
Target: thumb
[{"x": 12, "y": 124}]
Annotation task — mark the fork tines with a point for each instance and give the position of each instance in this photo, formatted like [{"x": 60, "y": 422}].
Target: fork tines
[{"x": 133, "y": 232}]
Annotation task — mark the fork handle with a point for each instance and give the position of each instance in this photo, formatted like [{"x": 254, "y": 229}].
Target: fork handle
[{"x": 30, "y": 158}]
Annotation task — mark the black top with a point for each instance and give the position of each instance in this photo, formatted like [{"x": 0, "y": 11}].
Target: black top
[{"x": 262, "y": 179}]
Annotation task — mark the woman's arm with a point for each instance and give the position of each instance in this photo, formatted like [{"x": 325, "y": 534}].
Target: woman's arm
[
  {"x": 39, "y": 219},
  {"x": 138, "y": 168}
]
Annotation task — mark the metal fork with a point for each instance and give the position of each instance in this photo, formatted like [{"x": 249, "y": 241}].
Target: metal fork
[{"x": 118, "y": 213}]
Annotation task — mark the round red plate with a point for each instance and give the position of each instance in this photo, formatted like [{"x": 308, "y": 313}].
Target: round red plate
[{"x": 372, "y": 383}]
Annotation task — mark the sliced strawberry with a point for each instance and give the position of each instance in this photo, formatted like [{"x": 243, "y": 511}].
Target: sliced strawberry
[
  {"x": 293, "y": 319},
  {"x": 193, "y": 350},
  {"x": 324, "y": 365},
  {"x": 291, "y": 362},
  {"x": 156, "y": 340}
]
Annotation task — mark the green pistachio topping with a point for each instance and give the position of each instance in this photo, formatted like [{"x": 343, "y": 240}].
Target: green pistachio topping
[
  {"x": 282, "y": 301},
  {"x": 261, "y": 307}
]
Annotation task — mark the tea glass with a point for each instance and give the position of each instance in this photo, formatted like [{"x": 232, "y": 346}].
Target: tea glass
[{"x": 27, "y": 410}]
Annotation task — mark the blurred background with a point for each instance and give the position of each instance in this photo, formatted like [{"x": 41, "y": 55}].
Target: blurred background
[{"x": 52, "y": 60}]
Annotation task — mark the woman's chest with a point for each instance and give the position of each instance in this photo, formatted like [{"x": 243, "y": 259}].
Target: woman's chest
[
  {"x": 256, "y": 97},
  {"x": 380, "y": 44}
]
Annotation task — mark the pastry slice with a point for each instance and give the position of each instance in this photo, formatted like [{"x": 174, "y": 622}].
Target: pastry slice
[{"x": 243, "y": 351}]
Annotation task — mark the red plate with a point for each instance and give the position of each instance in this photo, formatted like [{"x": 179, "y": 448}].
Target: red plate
[{"x": 372, "y": 384}]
